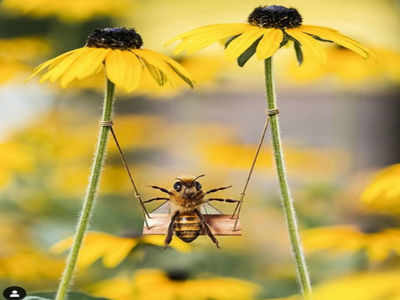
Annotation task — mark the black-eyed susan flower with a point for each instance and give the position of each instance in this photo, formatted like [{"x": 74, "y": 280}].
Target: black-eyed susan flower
[
  {"x": 174, "y": 284},
  {"x": 382, "y": 194},
  {"x": 72, "y": 10},
  {"x": 378, "y": 244},
  {"x": 268, "y": 29},
  {"x": 118, "y": 51},
  {"x": 112, "y": 249}
]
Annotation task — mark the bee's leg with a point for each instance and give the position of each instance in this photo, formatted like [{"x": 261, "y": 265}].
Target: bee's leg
[
  {"x": 217, "y": 189},
  {"x": 161, "y": 189},
  {"x": 222, "y": 200},
  {"x": 155, "y": 199},
  {"x": 170, "y": 231},
  {"x": 207, "y": 228}
]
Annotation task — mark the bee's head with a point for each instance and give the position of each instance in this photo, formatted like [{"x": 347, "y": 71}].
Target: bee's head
[{"x": 187, "y": 186}]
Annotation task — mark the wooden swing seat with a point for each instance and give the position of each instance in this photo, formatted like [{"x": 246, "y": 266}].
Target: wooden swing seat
[{"x": 220, "y": 224}]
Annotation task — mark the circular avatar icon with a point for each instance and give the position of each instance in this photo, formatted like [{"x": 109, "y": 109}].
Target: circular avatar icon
[{"x": 14, "y": 293}]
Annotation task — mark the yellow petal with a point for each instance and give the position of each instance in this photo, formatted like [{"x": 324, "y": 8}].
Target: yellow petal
[
  {"x": 338, "y": 38},
  {"x": 211, "y": 34},
  {"x": 59, "y": 69},
  {"x": 243, "y": 42},
  {"x": 157, "y": 240},
  {"x": 270, "y": 43},
  {"x": 90, "y": 252},
  {"x": 50, "y": 63},
  {"x": 210, "y": 30},
  {"x": 309, "y": 45},
  {"x": 85, "y": 65},
  {"x": 178, "y": 68},
  {"x": 115, "y": 67},
  {"x": 114, "y": 257},
  {"x": 94, "y": 61},
  {"x": 155, "y": 59},
  {"x": 133, "y": 71}
]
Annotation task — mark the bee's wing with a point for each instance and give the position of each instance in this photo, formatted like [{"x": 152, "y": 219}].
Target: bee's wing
[
  {"x": 209, "y": 209},
  {"x": 162, "y": 209}
]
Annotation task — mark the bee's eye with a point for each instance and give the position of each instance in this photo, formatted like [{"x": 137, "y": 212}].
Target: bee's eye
[
  {"x": 177, "y": 186},
  {"x": 198, "y": 185}
]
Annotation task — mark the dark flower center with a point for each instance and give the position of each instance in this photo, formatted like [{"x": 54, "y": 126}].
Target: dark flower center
[
  {"x": 376, "y": 223},
  {"x": 178, "y": 275},
  {"x": 115, "y": 38},
  {"x": 275, "y": 16}
]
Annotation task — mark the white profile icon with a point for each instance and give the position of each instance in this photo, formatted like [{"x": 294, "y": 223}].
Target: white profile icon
[{"x": 14, "y": 294}]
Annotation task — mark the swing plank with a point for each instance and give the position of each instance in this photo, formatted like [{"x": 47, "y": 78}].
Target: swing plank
[{"x": 220, "y": 224}]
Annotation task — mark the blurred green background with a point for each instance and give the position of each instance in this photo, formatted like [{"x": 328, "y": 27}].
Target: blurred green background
[{"x": 339, "y": 124}]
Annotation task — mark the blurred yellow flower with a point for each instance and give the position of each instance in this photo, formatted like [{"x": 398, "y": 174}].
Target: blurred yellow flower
[
  {"x": 155, "y": 285},
  {"x": 348, "y": 67},
  {"x": 66, "y": 136},
  {"x": 361, "y": 286},
  {"x": 117, "y": 51},
  {"x": 383, "y": 193},
  {"x": 12, "y": 69},
  {"x": 268, "y": 29},
  {"x": 14, "y": 158},
  {"x": 302, "y": 160},
  {"x": 347, "y": 238},
  {"x": 14, "y": 236},
  {"x": 14, "y": 55},
  {"x": 30, "y": 265},
  {"x": 23, "y": 48},
  {"x": 113, "y": 249},
  {"x": 71, "y": 10}
]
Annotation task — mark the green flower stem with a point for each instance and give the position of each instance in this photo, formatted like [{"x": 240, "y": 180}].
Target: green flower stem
[
  {"x": 287, "y": 201},
  {"x": 90, "y": 196}
]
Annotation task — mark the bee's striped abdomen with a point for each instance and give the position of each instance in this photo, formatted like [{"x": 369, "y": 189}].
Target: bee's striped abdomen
[{"x": 187, "y": 227}]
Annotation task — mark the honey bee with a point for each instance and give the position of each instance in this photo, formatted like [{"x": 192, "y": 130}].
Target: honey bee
[{"x": 186, "y": 199}]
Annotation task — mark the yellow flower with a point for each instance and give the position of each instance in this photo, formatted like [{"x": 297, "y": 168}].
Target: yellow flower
[
  {"x": 14, "y": 158},
  {"x": 360, "y": 286},
  {"x": 117, "y": 51},
  {"x": 268, "y": 29},
  {"x": 23, "y": 48},
  {"x": 203, "y": 69},
  {"x": 14, "y": 53},
  {"x": 300, "y": 160},
  {"x": 383, "y": 193},
  {"x": 113, "y": 249},
  {"x": 347, "y": 238},
  {"x": 29, "y": 265},
  {"x": 71, "y": 10},
  {"x": 174, "y": 285},
  {"x": 14, "y": 236}
]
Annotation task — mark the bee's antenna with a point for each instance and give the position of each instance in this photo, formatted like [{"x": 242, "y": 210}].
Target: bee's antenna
[{"x": 202, "y": 175}]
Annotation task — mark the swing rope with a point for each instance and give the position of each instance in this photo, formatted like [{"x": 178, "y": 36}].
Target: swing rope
[
  {"x": 238, "y": 208},
  {"x": 138, "y": 196}
]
